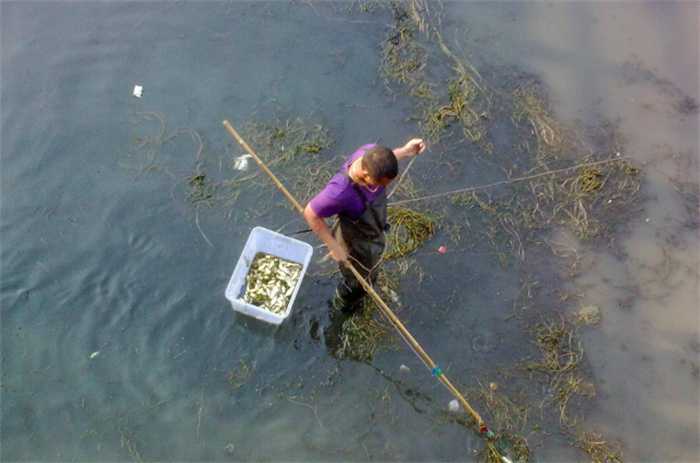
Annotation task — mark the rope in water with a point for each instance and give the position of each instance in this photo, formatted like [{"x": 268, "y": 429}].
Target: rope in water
[
  {"x": 386, "y": 311},
  {"x": 507, "y": 182},
  {"x": 403, "y": 174}
]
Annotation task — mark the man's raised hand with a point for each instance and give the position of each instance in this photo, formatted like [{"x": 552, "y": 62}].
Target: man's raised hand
[{"x": 415, "y": 146}]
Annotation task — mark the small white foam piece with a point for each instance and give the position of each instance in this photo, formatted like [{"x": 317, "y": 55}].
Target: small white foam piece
[
  {"x": 94, "y": 354},
  {"x": 404, "y": 369},
  {"x": 394, "y": 297},
  {"x": 138, "y": 91},
  {"x": 453, "y": 405},
  {"x": 241, "y": 162}
]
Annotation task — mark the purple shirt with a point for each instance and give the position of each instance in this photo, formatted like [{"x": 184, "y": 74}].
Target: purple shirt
[{"x": 339, "y": 196}]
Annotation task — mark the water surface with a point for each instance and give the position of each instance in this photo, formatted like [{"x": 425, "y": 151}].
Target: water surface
[{"x": 117, "y": 341}]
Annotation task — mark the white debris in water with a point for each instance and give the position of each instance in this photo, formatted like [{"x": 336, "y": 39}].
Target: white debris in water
[
  {"x": 394, "y": 297},
  {"x": 230, "y": 448},
  {"x": 453, "y": 405},
  {"x": 241, "y": 162},
  {"x": 94, "y": 354},
  {"x": 404, "y": 369},
  {"x": 647, "y": 220},
  {"x": 138, "y": 91}
]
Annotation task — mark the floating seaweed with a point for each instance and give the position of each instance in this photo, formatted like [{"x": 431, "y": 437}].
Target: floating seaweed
[
  {"x": 296, "y": 147},
  {"x": 363, "y": 6},
  {"x": 469, "y": 101},
  {"x": 409, "y": 230},
  {"x": 362, "y": 334},
  {"x": 201, "y": 190},
  {"x": 360, "y": 337},
  {"x": 567, "y": 387},
  {"x": 238, "y": 376},
  {"x": 404, "y": 61},
  {"x": 559, "y": 345},
  {"x": 554, "y": 140},
  {"x": 462, "y": 95},
  {"x": 588, "y": 315},
  {"x": 561, "y": 353},
  {"x": 280, "y": 141},
  {"x": 587, "y": 202},
  {"x": 589, "y": 180},
  {"x": 599, "y": 449},
  {"x": 403, "y": 58}
]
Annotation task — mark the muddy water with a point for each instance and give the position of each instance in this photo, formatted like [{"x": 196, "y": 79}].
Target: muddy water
[{"x": 635, "y": 63}]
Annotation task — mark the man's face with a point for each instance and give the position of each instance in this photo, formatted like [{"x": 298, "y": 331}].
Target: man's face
[{"x": 371, "y": 182}]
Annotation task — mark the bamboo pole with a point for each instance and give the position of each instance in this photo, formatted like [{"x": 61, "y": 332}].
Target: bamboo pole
[
  {"x": 386, "y": 311},
  {"x": 417, "y": 348}
]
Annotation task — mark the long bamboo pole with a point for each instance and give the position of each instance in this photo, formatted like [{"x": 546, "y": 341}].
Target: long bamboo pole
[{"x": 388, "y": 313}]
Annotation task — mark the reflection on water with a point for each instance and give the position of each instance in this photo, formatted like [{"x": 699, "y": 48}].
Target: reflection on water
[{"x": 103, "y": 252}]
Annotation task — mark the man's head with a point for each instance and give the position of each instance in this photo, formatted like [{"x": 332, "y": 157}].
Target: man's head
[{"x": 379, "y": 166}]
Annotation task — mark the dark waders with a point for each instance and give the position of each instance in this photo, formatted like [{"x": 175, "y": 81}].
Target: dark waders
[{"x": 364, "y": 239}]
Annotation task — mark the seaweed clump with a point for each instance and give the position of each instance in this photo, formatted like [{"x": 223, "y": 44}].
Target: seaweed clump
[
  {"x": 403, "y": 58},
  {"x": 600, "y": 450},
  {"x": 588, "y": 315},
  {"x": 469, "y": 101},
  {"x": 362, "y": 334},
  {"x": 553, "y": 139},
  {"x": 559, "y": 345},
  {"x": 589, "y": 180},
  {"x": 238, "y": 376},
  {"x": 462, "y": 95},
  {"x": 581, "y": 201},
  {"x": 462, "y": 99},
  {"x": 201, "y": 190},
  {"x": 562, "y": 352},
  {"x": 408, "y": 231},
  {"x": 281, "y": 141}
]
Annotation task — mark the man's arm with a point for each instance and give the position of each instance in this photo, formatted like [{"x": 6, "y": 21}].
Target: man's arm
[
  {"x": 318, "y": 225},
  {"x": 411, "y": 148}
]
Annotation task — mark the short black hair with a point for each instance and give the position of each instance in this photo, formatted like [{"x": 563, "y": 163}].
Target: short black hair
[{"x": 380, "y": 162}]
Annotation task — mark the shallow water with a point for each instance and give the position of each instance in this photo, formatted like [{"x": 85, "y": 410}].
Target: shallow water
[
  {"x": 638, "y": 64},
  {"x": 117, "y": 341}
]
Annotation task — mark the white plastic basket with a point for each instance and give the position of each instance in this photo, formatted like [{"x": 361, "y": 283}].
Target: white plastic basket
[{"x": 264, "y": 240}]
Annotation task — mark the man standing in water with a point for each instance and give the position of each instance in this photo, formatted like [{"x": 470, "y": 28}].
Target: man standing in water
[{"x": 356, "y": 194}]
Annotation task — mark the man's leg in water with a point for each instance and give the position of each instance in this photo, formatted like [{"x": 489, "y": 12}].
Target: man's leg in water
[{"x": 350, "y": 293}]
